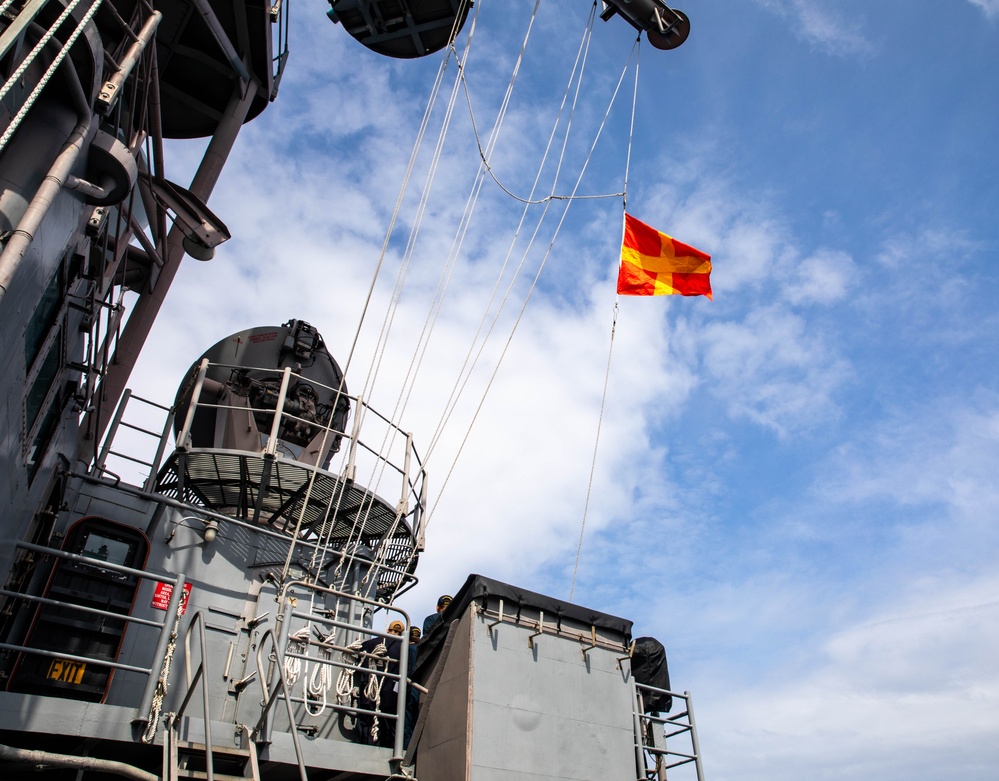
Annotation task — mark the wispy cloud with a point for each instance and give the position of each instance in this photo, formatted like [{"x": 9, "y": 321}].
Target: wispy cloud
[
  {"x": 827, "y": 30},
  {"x": 990, "y": 7},
  {"x": 872, "y": 706},
  {"x": 822, "y": 278},
  {"x": 770, "y": 370}
]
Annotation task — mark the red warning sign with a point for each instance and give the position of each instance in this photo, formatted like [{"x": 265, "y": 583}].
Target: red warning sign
[{"x": 163, "y": 592}]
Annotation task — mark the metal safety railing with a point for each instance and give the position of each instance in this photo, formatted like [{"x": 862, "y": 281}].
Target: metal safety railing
[
  {"x": 654, "y": 733},
  {"x": 316, "y": 647},
  {"x": 384, "y": 457},
  {"x": 164, "y": 627},
  {"x": 153, "y": 445}
]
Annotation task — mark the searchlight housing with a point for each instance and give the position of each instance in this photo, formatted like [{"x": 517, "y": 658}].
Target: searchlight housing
[{"x": 665, "y": 27}]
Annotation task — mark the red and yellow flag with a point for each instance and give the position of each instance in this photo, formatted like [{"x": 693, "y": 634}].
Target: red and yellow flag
[{"x": 654, "y": 264}]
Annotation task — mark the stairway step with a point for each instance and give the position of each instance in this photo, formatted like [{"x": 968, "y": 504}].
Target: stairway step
[
  {"x": 191, "y": 747},
  {"x": 201, "y": 775}
]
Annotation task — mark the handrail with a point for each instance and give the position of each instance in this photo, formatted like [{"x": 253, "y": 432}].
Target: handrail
[
  {"x": 261, "y": 730},
  {"x": 176, "y": 581},
  {"x": 411, "y": 469},
  {"x": 201, "y": 675},
  {"x": 402, "y": 675},
  {"x": 274, "y": 686}
]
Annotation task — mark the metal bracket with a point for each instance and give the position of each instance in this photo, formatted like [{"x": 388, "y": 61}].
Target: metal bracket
[
  {"x": 593, "y": 642},
  {"x": 541, "y": 629},
  {"x": 499, "y": 620},
  {"x": 631, "y": 650},
  {"x": 256, "y": 621}
]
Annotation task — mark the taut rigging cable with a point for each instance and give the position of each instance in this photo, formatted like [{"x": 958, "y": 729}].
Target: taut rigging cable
[
  {"x": 568, "y": 199},
  {"x": 348, "y": 554},
  {"x": 485, "y": 168},
  {"x": 610, "y": 351}
]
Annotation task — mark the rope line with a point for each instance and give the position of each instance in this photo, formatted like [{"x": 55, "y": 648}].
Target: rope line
[
  {"x": 348, "y": 552},
  {"x": 533, "y": 284},
  {"x": 610, "y": 352},
  {"x": 486, "y": 148},
  {"x": 593, "y": 463},
  {"x": 469, "y": 364},
  {"x": 492, "y": 174}
]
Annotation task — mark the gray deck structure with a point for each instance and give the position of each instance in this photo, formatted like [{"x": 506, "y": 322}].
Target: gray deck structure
[{"x": 528, "y": 694}]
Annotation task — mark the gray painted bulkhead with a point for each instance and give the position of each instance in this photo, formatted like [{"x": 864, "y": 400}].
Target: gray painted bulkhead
[{"x": 515, "y": 705}]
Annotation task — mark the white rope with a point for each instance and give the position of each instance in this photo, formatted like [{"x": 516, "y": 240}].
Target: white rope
[
  {"x": 382, "y": 342},
  {"x": 423, "y": 341},
  {"x": 610, "y": 351},
  {"x": 593, "y": 463},
  {"x": 337, "y": 499},
  {"x": 347, "y": 694},
  {"x": 464, "y": 375},
  {"x": 298, "y": 643},
  {"x": 322, "y": 679},
  {"x": 163, "y": 682},
  {"x": 371, "y": 486},
  {"x": 345, "y": 680},
  {"x": 527, "y": 298}
]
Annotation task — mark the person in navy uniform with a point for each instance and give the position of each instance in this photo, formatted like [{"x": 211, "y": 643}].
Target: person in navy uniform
[
  {"x": 388, "y": 688},
  {"x": 434, "y": 618}
]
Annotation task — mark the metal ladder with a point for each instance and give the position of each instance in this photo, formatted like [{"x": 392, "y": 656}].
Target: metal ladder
[
  {"x": 653, "y": 733},
  {"x": 184, "y": 759},
  {"x": 190, "y": 760}
]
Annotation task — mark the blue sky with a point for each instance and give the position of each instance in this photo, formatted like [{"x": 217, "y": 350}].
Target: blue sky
[{"x": 796, "y": 483}]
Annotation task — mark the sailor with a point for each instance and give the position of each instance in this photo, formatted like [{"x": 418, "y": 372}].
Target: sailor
[
  {"x": 412, "y": 694},
  {"x": 388, "y": 688},
  {"x": 433, "y": 619}
]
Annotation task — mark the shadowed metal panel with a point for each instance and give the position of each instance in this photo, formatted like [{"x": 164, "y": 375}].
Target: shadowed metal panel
[{"x": 444, "y": 744}]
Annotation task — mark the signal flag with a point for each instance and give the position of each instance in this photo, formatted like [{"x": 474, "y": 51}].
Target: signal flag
[{"x": 654, "y": 264}]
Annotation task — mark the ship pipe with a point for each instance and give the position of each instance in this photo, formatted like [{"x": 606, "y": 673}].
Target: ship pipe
[
  {"x": 50, "y": 187},
  {"x": 19, "y": 241},
  {"x": 112, "y": 87},
  {"x": 42, "y": 759}
]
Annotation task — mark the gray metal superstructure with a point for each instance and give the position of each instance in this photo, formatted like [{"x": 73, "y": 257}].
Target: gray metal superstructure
[{"x": 206, "y": 595}]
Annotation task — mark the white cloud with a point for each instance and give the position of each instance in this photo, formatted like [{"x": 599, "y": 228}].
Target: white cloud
[
  {"x": 868, "y": 648},
  {"x": 886, "y": 696},
  {"x": 824, "y": 29},
  {"x": 941, "y": 454},
  {"x": 822, "y": 278},
  {"x": 770, "y": 369},
  {"x": 989, "y": 7}
]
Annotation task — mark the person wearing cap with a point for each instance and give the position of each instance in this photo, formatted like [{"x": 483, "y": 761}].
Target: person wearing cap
[
  {"x": 388, "y": 697},
  {"x": 412, "y": 694},
  {"x": 432, "y": 620}
]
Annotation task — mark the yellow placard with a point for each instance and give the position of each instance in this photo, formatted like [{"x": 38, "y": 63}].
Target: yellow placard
[{"x": 66, "y": 671}]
